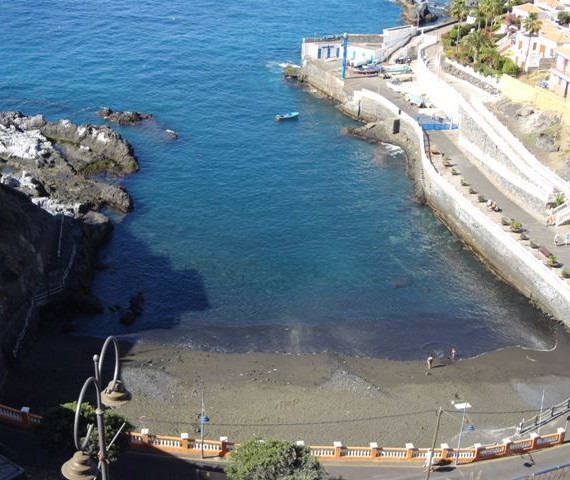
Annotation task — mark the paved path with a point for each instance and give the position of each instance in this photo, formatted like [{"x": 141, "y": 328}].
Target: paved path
[{"x": 467, "y": 165}]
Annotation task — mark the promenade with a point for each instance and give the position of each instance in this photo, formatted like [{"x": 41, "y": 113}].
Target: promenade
[{"x": 447, "y": 142}]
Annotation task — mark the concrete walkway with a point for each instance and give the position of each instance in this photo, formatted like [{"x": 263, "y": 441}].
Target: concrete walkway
[{"x": 446, "y": 142}]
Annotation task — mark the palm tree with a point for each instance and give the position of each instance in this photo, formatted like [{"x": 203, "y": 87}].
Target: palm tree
[
  {"x": 531, "y": 25},
  {"x": 475, "y": 41},
  {"x": 486, "y": 9},
  {"x": 496, "y": 9},
  {"x": 458, "y": 9}
]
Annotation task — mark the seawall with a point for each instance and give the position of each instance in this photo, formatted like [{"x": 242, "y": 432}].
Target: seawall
[{"x": 494, "y": 245}]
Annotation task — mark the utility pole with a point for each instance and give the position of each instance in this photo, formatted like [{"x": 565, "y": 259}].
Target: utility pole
[
  {"x": 203, "y": 420},
  {"x": 433, "y": 442},
  {"x": 344, "y": 43}
]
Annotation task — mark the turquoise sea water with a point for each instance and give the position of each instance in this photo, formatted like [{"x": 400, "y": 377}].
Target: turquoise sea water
[{"x": 248, "y": 234}]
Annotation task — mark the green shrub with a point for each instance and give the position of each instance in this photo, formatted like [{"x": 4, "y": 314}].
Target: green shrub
[
  {"x": 515, "y": 225},
  {"x": 510, "y": 67},
  {"x": 481, "y": 198},
  {"x": 56, "y": 429},
  {"x": 274, "y": 460}
]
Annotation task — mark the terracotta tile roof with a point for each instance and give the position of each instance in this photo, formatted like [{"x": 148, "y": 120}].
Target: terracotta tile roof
[
  {"x": 564, "y": 51},
  {"x": 528, "y": 8},
  {"x": 556, "y": 36},
  {"x": 550, "y": 3}
]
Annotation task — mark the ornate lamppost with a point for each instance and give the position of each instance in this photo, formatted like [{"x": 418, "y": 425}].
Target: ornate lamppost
[{"x": 80, "y": 466}]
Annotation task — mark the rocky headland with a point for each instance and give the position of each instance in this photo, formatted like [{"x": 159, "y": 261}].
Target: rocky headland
[{"x": 51, "y": 226}]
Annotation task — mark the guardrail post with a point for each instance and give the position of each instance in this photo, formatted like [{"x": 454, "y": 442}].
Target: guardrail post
[
  {"x": 478, "y": 448},
  {"x": 445, "y": 452},
  {"x": 534, "y": 438},
  {"x": 373, "y": 449},
  {"x": 409, "y": 451},
  {"x": 337, "y": 449},
  {"x": 25, "y": 416},
  {"x": 184, "y": 441},
  {"x": 223, "y": 446},
  {"x": 507, "y": 443},
  {"x": 145, "y": 436}
]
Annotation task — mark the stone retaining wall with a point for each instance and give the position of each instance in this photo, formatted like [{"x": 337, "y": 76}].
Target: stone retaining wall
[{"x": 510, "y": 260}]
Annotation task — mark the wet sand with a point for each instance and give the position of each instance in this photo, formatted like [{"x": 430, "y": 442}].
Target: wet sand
[{"x": 316, "y": 398}]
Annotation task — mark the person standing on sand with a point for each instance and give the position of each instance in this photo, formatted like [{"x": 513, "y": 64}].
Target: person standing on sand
[{"x": 429, "y": 362}]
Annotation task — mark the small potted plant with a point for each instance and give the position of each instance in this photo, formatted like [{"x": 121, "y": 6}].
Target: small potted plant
[
  {"x": 481, "y": 198},
  {"x": 472, "y": 191},
  {"x": 552, "y": 262},
  {"x": 524, "y": 236},
  {"x": 505, "y": 222},
  {"x": 515, "y": 226},
  {"x": 454, "y": 171},
  {"x": 565, "y": 273},
  {"x": 533, "y": 244}
]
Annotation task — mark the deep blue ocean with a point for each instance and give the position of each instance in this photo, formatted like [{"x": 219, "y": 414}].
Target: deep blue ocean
[{"x": 249, "y": 235}]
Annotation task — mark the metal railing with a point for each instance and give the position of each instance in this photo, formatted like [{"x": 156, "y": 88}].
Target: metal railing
[
  {"x": 559, "y": 472},
  {"x": 544, "y": 417}
]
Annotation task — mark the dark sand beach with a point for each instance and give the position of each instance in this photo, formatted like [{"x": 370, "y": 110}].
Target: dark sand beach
[{"x": 316, "y": 398}]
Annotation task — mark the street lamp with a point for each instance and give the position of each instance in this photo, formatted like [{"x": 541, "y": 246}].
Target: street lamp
[
  {"x": 460, "y": 406},
  {"x": 203, "y": 419},
  {"x": 80, "y": 466}
]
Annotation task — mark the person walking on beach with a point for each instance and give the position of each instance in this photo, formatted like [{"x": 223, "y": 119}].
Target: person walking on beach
[
  {"x": 429, "y": 362},
  {"x": 453, "y": 353},
  {"x": 556, "y": 238}
]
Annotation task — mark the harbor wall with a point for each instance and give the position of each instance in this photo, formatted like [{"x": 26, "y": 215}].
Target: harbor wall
[{"x": 494, "y": 245}]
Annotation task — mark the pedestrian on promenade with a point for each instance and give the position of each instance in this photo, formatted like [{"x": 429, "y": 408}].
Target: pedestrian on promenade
[
  {"x": 429, "y": 362},
  {"x": 556, "y": 238}
]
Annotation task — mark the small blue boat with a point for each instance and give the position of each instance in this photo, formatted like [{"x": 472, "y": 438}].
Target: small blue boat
[{"x": 287, "y": 116}]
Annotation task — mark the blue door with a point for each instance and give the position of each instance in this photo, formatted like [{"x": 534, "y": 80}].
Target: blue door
[{"x": 319, "y": 53}]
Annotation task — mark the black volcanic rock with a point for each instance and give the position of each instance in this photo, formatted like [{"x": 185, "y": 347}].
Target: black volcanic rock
[
  {"x": 123, "y": 118},
  {"x": 54, "y": 163}
]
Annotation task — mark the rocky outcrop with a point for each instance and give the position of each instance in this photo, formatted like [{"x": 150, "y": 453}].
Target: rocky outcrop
[
  {"x": 417, "y": 12},
  {"x": 53, "y": 163},
  {"x": 123, "y": 118},
  {"x": 50, "y": 224}
]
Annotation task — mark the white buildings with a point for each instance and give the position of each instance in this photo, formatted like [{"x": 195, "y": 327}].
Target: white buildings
[
  {"x": 361, "y": 48},
  {"x": 538, "y": 51}
]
